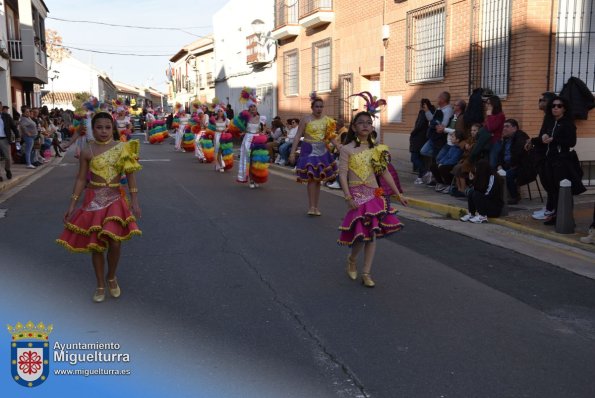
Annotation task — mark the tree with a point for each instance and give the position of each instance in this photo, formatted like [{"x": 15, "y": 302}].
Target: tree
[
  {"x": 55, "y": 51},
  {"x": 80, "y": 98}
]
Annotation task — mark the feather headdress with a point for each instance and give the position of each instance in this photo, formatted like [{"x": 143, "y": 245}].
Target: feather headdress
[
  {"x": 248, "y": 97},
  {"x": 313, "y": 96},
  {"x": 92, "y": 104},
  {"x": 373, "y": 105}
]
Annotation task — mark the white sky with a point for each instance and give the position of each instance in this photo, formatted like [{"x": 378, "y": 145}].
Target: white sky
[{"x": 149, "y": 13}]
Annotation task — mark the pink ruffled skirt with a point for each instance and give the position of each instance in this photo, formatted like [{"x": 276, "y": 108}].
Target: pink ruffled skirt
[
  {"x": 104, "y": 216},
  {"x": 373, "y": 218}
]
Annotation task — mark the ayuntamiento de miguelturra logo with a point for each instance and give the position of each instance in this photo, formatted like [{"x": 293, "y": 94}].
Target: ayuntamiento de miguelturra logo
[{"x": 29, "y": 353}]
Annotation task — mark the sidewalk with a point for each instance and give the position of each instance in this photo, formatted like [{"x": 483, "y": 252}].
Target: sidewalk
[
  {"x": 519, "y": 215},
  {"x": 21, "y": 173}
]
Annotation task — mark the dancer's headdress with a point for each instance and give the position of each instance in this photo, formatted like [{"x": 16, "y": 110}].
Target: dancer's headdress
[
  {"x": 92, "y": 104},
  {"x": 373, "y": 105},
  {"x": 248, "y": 97}
]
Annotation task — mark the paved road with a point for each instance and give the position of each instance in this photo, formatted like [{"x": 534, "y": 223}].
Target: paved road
[{"x": 235, "y": 292}]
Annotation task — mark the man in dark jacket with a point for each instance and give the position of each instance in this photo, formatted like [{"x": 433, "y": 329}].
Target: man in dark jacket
[
  {"x": 8, "y": 134},
  {"x": 514, "y": 159}
]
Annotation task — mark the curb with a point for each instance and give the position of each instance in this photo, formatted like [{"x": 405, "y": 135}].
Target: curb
[
  {"x": 455, "y": 212},
  {"x": 16, "y": 180}
]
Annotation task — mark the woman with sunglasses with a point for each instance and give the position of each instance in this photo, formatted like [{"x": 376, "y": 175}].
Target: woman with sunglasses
[{"x": 557, "y": 139}]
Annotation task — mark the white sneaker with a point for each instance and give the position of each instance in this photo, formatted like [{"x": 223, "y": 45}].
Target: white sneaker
[
  {"x": 542, "y": 215},
  {"x": 277, "y": 159},
  {"x": 479, "y": 219},
  {"x": 439, "y": 187},
  {"x": 252, "y": 185},
  {"x": 30, "y": 166},
  {"x": 427, "y": 178},
  {"x": 418, "y": 181},
  {"x": 466, "y": 217},
  {"x": 334, "y": 185},
  {"x": 589, "y": 238}
]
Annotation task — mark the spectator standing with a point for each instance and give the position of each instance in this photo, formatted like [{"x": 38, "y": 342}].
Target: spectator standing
[
  {"x": 418, "y": 138},
  {"x": 28, "y": 131},
  {"x": 436, "y": 139},
  {"x": 494, "y": 124}
]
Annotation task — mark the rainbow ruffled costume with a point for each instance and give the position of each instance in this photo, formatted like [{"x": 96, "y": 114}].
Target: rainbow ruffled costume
[
  {"x": 223, "y": 145},
  {"x": 105, "y": 213},
  {"x": 374, "y": 217},
  {"x": 254, "y": 158},
  {"x": 315, "y": 162},
  {"x": 158, "y": 132},
  {"x": 206, "y": 143}
]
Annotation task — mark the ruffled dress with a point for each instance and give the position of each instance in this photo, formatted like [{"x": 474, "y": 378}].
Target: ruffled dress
[
  {"x": 316, "y": 162},
  {"x": 105, "y": 213},
  {"x": 374, "y": 217}
]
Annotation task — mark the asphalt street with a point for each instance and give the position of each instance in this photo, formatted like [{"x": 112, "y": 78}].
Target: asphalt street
[{"x": 233, "y": 292}]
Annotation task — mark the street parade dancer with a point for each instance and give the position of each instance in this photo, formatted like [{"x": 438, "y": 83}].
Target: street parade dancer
[
  {"x": 149, "y": 121},
  {"x": 370, "y": 216},
  {"x": 197, "y": 127},
  {"x": 106, "y": 217},
  {"x": 315, "y": 165},
  {"x": 123, "y": 124},
  {"x": 180, "y": 121},
  {"x": 218, "y": 123},
  {"x": 254, "y": 158}
]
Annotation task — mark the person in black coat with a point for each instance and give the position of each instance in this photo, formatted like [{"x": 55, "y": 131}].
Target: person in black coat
[
  {"x": 514, "y": 159},
  {"x": 558, "y": 139},
  {"x": 8, "y": 136},
  {"x": 417, "y": 139}
]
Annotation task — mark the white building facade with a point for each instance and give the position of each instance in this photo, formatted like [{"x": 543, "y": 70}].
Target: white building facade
[{"x": 243, "y": 58}]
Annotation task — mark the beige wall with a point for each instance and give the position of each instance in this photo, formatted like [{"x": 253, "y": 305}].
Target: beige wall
[{"x": 357, "y": 48}]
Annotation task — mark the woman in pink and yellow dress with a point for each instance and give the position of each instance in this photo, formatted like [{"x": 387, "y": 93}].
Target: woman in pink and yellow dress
[
  {"x": 315, "y": 165},
  {"x": 105, "y": 218},
  {"x": 370, "y": 215}
]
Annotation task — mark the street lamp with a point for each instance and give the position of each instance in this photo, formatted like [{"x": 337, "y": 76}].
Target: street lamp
[
  {"x": 259, "y": 30},
  {"x": 52, "y": 78}
]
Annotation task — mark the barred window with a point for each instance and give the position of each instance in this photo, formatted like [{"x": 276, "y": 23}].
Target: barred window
[
  {"x": 575, "y": 43},
  {"x": 291, "y": 73},
  {"x": 321, "y": 65},
  {"x": 286, "y": 12},
  {"x": 345, "y": 99},
  {"x": 490, "y": 45},
  {"x": 425, "y": 43}
]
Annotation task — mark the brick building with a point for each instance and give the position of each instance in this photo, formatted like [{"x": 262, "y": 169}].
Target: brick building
[{"x": 405, "y": 50}]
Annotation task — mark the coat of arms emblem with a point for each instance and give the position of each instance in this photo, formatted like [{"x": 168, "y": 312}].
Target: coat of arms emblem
[{"x": 29, "y": 353}]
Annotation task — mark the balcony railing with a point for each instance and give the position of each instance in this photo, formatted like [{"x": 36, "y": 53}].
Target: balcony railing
[
  {"x": 15, "y": 50},
  {"x": 255, "y": 53},
  {"x": 285, "y": 14},
  {"x": 308, "y": 7},
  {"x": 41, "y": 57}
]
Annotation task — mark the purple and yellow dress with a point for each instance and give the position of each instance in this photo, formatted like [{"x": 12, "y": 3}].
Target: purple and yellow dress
[
  {"x": 315, "y": 162},
  {"x": 374, "y": 217}
]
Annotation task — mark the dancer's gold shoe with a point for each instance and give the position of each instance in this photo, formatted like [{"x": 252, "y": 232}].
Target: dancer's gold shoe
[
  {"x": 99, "y": 295},
  {"x": 351, "y": 268},
  {"x": 367, "y": 280},
  {"x": 114, "y": 288}
]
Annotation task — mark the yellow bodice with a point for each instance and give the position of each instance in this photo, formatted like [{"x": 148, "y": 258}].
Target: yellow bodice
[
  {"x": 367, "y": 162},
  {"x": 320, "y": 129},
  {"x": 121, "y": 158}
]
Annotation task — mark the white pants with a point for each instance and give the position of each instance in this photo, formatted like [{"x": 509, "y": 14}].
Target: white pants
[
  {"x": 245, "y": 157},
  {"x": 179, "y": 135},
  {"x": 197, "y": 147},
  {"x": 219, "y": 163}
]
